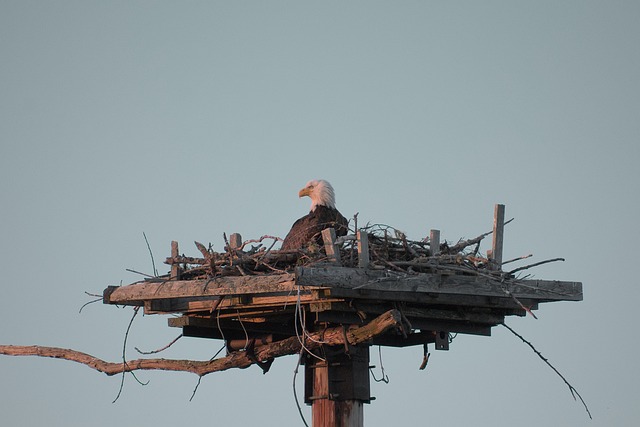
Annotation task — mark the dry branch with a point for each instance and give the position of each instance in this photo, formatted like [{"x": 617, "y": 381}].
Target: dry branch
[
  {"x": 572, "y": 389},
  {"x": 238, "y": 359},
  {"x": 535, "y": 264},
  {"x": 463, "y": 244}
]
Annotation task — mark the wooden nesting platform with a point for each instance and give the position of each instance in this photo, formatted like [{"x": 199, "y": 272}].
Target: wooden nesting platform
[
  {"x": 268, "y": 306},
  {"x": 269, "y": 295}
]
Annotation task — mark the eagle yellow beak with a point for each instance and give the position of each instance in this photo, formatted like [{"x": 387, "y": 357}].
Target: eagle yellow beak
[{"x": 306, "y": 191}]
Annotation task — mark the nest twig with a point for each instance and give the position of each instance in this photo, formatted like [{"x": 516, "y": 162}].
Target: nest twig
[{"x": 389, "y": 248}]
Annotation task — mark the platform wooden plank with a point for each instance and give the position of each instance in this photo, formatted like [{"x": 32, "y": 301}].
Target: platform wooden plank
[
  {"x": 242, "y": 303},
  {"x": 454, "y": 284},
  {"x": 432, "y": 298},
  {"x": 475, "y": 316},
  {"x": 230, "y": 285}
]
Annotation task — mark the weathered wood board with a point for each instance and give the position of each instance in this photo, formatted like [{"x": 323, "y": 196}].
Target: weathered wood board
[
  {"x": 449, "y": 284},
  {"x": 138, "y": 292}
]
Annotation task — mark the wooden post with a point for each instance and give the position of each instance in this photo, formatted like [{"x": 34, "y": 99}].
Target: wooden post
[
  {"x": 333, "y": 413},
  {"x": 434, "y": 242},
  {"x": 175, "y": 268},
  {"x": 498, "y": 233},
  {"x": 235, "y": 241},
  {"x": 363, "y": 249},
  {"x": 330, "y": 247},
  {"x": 338, "y": 387}
]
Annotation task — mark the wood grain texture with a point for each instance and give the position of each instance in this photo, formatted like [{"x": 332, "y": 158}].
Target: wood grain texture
[{"x": 457, "y": 284}]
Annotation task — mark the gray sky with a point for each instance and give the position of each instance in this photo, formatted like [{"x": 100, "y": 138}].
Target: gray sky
[{"x": 184, "y": 120}]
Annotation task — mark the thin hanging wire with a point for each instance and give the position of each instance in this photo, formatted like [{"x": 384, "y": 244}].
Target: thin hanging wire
[{"x": 384, "y": 378}]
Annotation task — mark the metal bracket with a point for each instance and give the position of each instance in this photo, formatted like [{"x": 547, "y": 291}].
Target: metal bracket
[{"x": 442, "y": 340}]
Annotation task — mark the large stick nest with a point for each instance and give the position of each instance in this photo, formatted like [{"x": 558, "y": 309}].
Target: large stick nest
[{"x": 389, "y": 248}]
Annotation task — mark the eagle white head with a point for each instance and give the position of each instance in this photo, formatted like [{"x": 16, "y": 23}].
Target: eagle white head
[{"x": 320, "y": 192}]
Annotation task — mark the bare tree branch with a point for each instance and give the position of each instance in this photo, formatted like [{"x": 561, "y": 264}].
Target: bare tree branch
[
  {"x": 90, "y": 302},
  {"x": 237, "y": 359},
  {"x": 160, "y": 349},
  {"x": 572, "y": 389},
  {"x": 153, "y": 262},
  {"x": 463, "y": 244},
  {"x": 535, "y": 264},
  {"x": 124, "y": 358}
]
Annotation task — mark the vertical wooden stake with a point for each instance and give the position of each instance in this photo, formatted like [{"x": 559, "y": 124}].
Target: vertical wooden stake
[
  {"x": 333, "y": 413},
  {"x": 330, "y": 247},
  {"x": 175, "y": 268},
  {"x": 498, "y": 233},
  {"x": 434, "y": 242},
  {"x": 235, "y": 241},
  {"x": 338, "y": 387},
  {"x": 363, "y": 249}
]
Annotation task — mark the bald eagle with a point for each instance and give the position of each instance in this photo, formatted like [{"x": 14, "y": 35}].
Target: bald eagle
[{"x": 323, "y": 214}]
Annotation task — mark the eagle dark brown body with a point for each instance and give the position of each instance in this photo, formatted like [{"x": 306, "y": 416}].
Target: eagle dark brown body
[{"x": 309, "y": 228}]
